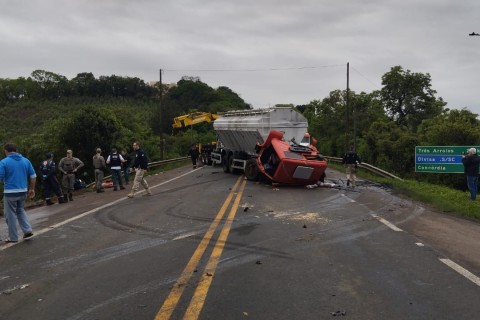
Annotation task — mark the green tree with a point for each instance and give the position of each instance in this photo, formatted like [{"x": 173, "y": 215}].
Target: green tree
[
  {"x": 453, "y": 127},
  {"x": 53, "y": 85},
  {"x": 409, "y": 98}
]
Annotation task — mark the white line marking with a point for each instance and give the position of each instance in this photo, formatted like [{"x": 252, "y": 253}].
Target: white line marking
[
  {"x": 464, "y": 272},
  {"x": 350, "y": 200},
  {"x": 387, "y": 223},
  {"x": 420, "y": 244},
  {"x": 37, "y": 233}
]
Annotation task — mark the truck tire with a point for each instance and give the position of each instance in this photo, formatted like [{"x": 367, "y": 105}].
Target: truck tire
[
  {"x": 231, "y": 156},
  {"x": 226, "y": 162},
  {"x": 251, "y": 170}
]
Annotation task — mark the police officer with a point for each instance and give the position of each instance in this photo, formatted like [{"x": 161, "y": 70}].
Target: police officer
[
  {"x": 69, "y": 165},
  {"x": 351, "y": 160},
  {"x": 99, "y": 165},
  {"x": 50, "y": 183},
  {"x": 115, "y": 161}
]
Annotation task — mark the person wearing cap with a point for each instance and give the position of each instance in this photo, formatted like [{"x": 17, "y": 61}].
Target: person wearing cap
[
  {"x": 69, "y": 165},
  {"x": 48, "y": 170},
  {"x": 471, "y": 163},
  {"x": 99, "y": 165}
]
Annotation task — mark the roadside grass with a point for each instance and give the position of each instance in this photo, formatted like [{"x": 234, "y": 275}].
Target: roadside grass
[{"x": 441, "y": 198}]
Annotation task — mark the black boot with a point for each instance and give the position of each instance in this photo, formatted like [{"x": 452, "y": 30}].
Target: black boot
[
  {"x": 70, "y": 196},
  {"x": 62, "y": 199},
  {"x": 49, "y": 202}
]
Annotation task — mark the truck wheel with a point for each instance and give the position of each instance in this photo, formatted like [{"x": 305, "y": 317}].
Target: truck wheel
[
  {"x": 230, "y": 164},
  {"x": 251, "y": 170},
  {"x": 226, "y": 163}
]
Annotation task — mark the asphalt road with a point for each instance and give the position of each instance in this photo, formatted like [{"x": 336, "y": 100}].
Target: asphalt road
[{"x": 209, "y": 245}]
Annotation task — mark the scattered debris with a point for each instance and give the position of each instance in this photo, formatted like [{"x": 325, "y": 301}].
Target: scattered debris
[
  {"x": 258, "y": 262},
  {"x": 322, "y": 185},
  {"x": 338, "y": 313},
  {"x": 11, "y": 290},
  {"x": 245, "y": 314},
  {"x": 246, "y": 209},
  {"x": 304, "y": 226},
  {"x": 209, "y": 274}
]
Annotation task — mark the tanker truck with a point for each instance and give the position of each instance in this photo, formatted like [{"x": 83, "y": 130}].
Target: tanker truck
[{"x": 269, "y": 144}]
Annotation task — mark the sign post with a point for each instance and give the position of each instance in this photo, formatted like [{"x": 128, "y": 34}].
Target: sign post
[{"x": 441, "y": 159}]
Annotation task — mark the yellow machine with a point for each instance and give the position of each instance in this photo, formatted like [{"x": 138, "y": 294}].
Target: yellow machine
[{"x": 189, "y": 120}]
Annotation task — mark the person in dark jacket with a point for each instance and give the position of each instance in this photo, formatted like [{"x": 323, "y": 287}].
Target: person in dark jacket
[
  {"x": 471, "y": 163},
  {"x": 126, "y": 166},
  {"x": 48, "y": 170},
  {"x": 140, "y": 165},
  {"x": 193, "y": 153},
  {"x": 351, "y": 160},
  {"x": 115, "y": 160}
]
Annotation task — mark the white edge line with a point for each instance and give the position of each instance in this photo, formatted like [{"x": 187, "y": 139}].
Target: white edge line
[
  {"x": 387, "y": 223},
  {"x": 464, "y": 272},
  {"x": 55, "y": 226}
]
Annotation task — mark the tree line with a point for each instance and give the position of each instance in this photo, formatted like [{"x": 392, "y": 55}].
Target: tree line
[
  {"x": 48, "y": 112},
  {"x": 385, "y": 125}
]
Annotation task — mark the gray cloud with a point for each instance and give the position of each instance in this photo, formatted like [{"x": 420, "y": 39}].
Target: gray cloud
[{"x": 188, "y": 37}]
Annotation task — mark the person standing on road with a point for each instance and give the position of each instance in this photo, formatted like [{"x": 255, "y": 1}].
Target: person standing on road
[
  {"x": 471, "y": 163},
  {"x": 69, "y": 165},
  {"x": 351, "y": 160},
  {"x": 126, "y": 166},
  {"x": 140, "y": 165},
  {"x": 115, "y": 161},
  {"x": 99, "y": 165},
  {"x": 48, "y": 171},
  {"x": 15, "y": 171},
  {"x": 193, "y": 153}
]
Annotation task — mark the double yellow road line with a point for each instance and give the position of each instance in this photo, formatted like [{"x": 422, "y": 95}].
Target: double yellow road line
[{"x": 200, "y": 294}]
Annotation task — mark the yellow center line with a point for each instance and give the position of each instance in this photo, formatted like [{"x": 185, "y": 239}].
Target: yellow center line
[
  {"x": 198, "y": 299},
  {"x": 171, "y": 302}
]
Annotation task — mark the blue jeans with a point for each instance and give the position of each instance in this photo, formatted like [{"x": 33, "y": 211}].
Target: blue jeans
[
  {"x": 14, "y": 209},
  {"x": 126, "y": 173},
  {"x": 472, "y": 183}
]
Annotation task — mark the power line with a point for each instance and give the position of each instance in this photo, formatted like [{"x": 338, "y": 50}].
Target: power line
[
  {"x": 364, "y": 77},
  {"x": 254, "y": 70}
]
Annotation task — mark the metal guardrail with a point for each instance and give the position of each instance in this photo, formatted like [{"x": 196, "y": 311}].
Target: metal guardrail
[
  {"x": 150, "y": 165},
  {"x": 368, "y": 167}
]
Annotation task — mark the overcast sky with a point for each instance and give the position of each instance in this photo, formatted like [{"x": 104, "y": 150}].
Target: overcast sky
[{"x": 267, "y": 51}]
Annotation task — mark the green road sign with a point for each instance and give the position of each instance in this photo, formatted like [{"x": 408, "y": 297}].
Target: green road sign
[{"x": 440, "y": 159}]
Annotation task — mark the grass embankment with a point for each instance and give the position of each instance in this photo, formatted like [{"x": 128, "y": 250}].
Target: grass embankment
[{"x": 441, "y": 198}]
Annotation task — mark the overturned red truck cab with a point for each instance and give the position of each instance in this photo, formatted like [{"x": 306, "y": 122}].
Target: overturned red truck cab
[{"x": 262, "y": 144}]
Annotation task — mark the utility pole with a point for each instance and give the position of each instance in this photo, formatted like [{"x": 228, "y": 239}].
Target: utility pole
[
  {"x": 347, "y": 108},
  {"x": 162, "y": 141}
]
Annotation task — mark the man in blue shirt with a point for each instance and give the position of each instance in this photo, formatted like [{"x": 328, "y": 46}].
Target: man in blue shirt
[{"x": 15, "y": 171}]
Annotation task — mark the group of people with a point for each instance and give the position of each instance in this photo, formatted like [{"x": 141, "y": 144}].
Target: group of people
[
  {"x": 68, "y": 166},
  {"x": 118, "y": 162},
  {"x": 20, "y": 178}
]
